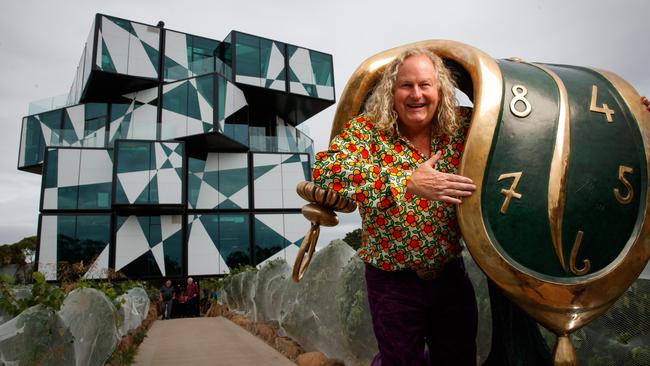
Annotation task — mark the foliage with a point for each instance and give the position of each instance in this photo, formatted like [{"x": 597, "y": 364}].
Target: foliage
[
  {"x": 353, "y": 238},
  {"x": 241, "y": 268},
  {"x": 42, "y": 293},
  {"x": 17, "y": 253},
  {"x": 126, "y": 355},
  {"x": 212, "y": 284}
]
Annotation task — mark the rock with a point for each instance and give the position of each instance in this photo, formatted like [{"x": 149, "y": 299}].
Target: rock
[
  {"x": 334, "y": 362},
  {"x": 288, "y": 347},
  {"x": 266, "y": 332},
  {"x": 270, "y": 288},
  {"x": 311, "y": 359},
  {"x": 37, "y": 336},
  {"x": 133, "y": 309},
  {"x": 241, "y": 320},
  {"x": 92, "y": 320},
  {"x": 216, "y": 309}
]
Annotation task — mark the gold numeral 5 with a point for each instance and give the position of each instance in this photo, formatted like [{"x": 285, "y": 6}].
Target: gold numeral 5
[{"x": 622, "y": 169}]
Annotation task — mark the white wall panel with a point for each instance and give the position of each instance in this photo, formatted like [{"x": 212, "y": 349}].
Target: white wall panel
[
  {"x": 117, "y": 43},
  {"x": 47, "y": 253},
  {"x": 130, "y": 243},
  {"x": 68, "y": 167},
  {"x": 268, "y": 187},
  {"x": 96, "y": 167}
]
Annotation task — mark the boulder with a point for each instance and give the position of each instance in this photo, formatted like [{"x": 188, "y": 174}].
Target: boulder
[
  {"x": 37, "y": 336},
  {"x": 92, "y": 320}
]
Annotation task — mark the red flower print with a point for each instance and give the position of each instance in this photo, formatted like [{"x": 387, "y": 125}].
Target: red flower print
[
  {"x": 364, "y": 153},
  {"x": 384, "y": 244},
  {"x": 399, "y": 256},
  {"x": 379, "y": 185},
  {"x": 385, "y": 202},
  {"x": 361, "y": 197},
  {"x": 337, "y": 186},
  {"x": 397, "y": 233},
  {"x": 414, "y": 243},
  {"x": 409, "y": 219}
]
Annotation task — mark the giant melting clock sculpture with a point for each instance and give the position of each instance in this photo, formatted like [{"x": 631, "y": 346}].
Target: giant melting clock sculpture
[{"x": 560, "y": 157}]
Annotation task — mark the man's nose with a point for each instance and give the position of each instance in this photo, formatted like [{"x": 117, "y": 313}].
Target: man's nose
[{"x": 416, "y": 92}]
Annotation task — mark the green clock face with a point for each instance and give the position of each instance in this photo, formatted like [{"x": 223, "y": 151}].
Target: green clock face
[{"x": 563, "y": 196}]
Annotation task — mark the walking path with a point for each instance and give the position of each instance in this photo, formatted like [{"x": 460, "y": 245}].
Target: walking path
[{"x": 205, "y": 341}]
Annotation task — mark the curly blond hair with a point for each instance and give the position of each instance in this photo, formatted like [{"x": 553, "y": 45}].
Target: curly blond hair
[{"x": 380, "y": 104}]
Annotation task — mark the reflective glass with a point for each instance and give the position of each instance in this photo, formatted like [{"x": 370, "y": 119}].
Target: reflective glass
[
  {"x": 267, "y": 241},
  {"x": 95, "y": 196},
  {"x": 67, "y": 197},
  {"x": 133, "y": 156},
  {"x": 50, "y": 174},
  {"x": 234, "y": 240},
  {"x": 248, "y": 55},
  {"x": 321, "y": 63}
]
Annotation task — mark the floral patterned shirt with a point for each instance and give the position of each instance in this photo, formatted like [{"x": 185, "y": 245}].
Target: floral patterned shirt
[{"x": 372, "y": 167}]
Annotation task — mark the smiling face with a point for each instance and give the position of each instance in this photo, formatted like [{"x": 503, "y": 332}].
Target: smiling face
[{"x": 415, "y": 94}]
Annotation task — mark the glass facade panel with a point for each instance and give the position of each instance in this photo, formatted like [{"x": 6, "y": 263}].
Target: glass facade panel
[
  {"x": 51, "y": 169},
  {"x": 94, "y": 196},
  {"x": 149, "y": 173},
  {"x": 248, "y": 56},
  {"x": 133, "y": 156},
  {"x": 67, "y": 197},
  {"x": 149, "y": 246},
  {"x": 267, "y": 240},
  {"x": 34, "y": 144},
  {"x": 234, "y": 239},
  {"x": 82, "y": 238},
  {"x": 96, "y": 117},
  {"x": 322, "y": 67},
  {"x": 133, "y": 177},
  {"x": 218, "y": 180}
]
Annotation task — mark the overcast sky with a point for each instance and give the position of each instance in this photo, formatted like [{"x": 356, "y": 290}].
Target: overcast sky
[{"x": 41, "y": 43}]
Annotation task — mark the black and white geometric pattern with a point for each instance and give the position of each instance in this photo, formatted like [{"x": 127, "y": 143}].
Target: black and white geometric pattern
[
  {"x": 188, "y": 107},
  {"x": 222, "y": 182},
  {"x": 161, "y": 182},
  {"x": 137, "y": 119},
  {"x": 128, "y": 48},
  {"x": 153, "y": 239},
  {"x": 73, "y": 170},
  {"x": 305, "y": 73},
  {"x": 275, "y": 179},
  {"x": 282, "y": 232}
]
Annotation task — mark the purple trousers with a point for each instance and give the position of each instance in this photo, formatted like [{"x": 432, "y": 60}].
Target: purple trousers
[{"x": 408, "y": 312}]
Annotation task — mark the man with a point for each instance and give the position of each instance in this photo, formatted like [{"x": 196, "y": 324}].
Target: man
[
  {"x": 192, "y": 293},
  {"x": 167, "y": 295},
  {"x": 398, "y": 161}
]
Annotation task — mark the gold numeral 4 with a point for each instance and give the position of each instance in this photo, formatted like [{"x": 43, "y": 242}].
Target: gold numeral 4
[{"x": 604, "y": 109}]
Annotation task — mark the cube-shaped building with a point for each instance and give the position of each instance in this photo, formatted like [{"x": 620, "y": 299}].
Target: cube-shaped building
[{"x": 175, "y": 154}]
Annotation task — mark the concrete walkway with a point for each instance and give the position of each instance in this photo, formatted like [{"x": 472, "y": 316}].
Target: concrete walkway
[{"x": 205, "y": 341}]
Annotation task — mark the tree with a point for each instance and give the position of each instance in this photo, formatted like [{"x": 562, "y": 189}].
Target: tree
[
  {"x": 353, "y": 238},
  {"x": 16, "y": 253}
]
